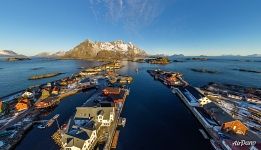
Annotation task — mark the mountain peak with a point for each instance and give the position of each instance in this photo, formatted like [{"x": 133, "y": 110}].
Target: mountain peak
[
  {"x": 89, "y": 41},
  {"x": 7, "y": 53},
  {"x": 119, "y": 48}
]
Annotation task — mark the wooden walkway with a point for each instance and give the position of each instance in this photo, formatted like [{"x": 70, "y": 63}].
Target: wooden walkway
[{"x": 115, "y": 139}]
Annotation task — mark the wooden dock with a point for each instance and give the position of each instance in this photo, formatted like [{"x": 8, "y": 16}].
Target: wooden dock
[
  {"x": 115, "y": 139},
  {"x": 57, "y": 138}
]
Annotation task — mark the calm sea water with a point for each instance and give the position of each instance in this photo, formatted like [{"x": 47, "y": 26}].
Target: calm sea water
[
  {"x": 14, "y": 75},
  {"x": 156, "y": 118}
]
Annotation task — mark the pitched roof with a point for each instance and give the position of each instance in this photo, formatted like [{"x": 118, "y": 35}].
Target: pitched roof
[
  {"x": 218, "y": 113},
  {"x": 118, "y": 96},
  {"x": 112, "y": 90},
  {"x": 87, "y": 112}
]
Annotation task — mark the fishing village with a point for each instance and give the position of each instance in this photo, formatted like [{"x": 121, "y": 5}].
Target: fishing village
[
  {"x": 230, "y": 114},
  {"x": 95, "y": 124}
]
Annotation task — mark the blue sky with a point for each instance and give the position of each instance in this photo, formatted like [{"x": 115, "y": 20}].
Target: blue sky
[{"x": 190, "y": 27}]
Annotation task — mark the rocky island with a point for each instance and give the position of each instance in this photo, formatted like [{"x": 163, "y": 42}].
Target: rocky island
[
  {"x": 12, "y": 56},
  {"x": 17, "y": 59},
  {"x": 203, "y": 70},
  {"x": 41, "y": 76},
  {"x": 159, "y": 60},
  {"x": 248, "y": 70},
  {"x": 37, "y": 68},
  {"x": 198, "y": 58}
]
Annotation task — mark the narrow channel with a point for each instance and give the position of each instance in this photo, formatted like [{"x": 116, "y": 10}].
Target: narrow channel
[{"x": 156, "y": 118}]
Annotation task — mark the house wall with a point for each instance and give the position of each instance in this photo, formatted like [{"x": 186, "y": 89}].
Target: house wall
[
  {"x": 88, "y": 145},
  {"x": 106, "y": 122},
  {"x": 71, "y": 148}
]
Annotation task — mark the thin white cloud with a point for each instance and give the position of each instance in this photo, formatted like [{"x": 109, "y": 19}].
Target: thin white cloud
[{"x": 132, "y": 14}]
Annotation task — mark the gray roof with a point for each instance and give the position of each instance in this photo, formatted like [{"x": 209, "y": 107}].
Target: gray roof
[
  {"x": 78, "y": 133},
  {"x": 83, "y": 124},
  {"x": 72, "y": 141},
  {"x": 93, "y": 112},
  {"x": 218, "y": 113}
]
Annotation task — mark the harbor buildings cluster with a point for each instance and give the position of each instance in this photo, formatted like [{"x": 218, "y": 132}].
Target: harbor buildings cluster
[
  {"x": 20, "y": 110},
  {"x": 244, "y": 105},
  {"x": 224, "y": 130},
  {"x": 95, "y": 123}
]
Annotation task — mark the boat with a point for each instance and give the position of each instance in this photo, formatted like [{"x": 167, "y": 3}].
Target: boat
[
  {"x": 51, "y": 121},
  {"x": 56, "y": 116},
  {"x": 40, "y": 126},
  {"x": 122, "y": 122}
]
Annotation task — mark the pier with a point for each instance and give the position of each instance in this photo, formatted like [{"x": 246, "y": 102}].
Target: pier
[
  {"x": 115, "y": 139},
  {"x": 40, "y": 98},
  {"x": 211, "y": 116}
]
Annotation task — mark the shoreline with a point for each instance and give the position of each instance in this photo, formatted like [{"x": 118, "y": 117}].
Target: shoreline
[
  {"x": 195, "y": 100},
  {"x": 26, "y": 113},
  {"x": 11, "y": 99},
  {"x": 92, "y": 102},
  {"x": 43, "y": 76}
]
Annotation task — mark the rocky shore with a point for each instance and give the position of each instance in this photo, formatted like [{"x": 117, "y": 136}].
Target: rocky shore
[
  {"x": 48, "y": 75},
  {"x": 203, "y": 70},
  {"x": 198, "y": 58},
  {"x": 17, "y": 59},
  {"x": 248, "y": 70},
  {"x": 159, "y": 60}
]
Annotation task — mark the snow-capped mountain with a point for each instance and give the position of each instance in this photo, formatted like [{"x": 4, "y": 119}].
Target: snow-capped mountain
[
  {"x": 117, "y": 46},
  {"x": 7, "y": 53},
  {"x": 255, "y": 55},
  {"x": 59, "y": 53},
  {"x": 90, "y": 49}
]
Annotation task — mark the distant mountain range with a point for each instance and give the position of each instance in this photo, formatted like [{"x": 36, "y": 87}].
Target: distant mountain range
[
  {"x": 255, "y": 55},
  {"x": 176, "y": 55},
  {"x": 51, "y": 55},
  {"x": 9, "y": 53},
  {"x": 103, "y": 50},
  {"x": 252, "y": 55}
]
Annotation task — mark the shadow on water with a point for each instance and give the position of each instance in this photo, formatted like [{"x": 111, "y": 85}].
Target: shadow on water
[
  {"x": 40, "y": 139},
  {"x": 156, "y": 118}
]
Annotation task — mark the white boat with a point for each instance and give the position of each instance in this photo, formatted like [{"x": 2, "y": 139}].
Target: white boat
[{"x": 40, "y": 126}]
